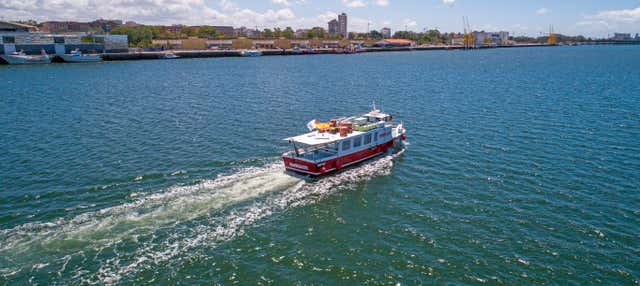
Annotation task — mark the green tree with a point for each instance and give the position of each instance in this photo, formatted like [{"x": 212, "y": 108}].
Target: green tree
[
  {"x": 140, "y": 36},
  {"x": 375, "y": 35},
  {"x": 206, "y": 32},
  {"x": 267, "y": 33},
  {"x": 288, "y": 33}
]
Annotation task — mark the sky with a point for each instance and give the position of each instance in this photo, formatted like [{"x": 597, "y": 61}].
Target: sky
[{"x": 519, "y": 17}]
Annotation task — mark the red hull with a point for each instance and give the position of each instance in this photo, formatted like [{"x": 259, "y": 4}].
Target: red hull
[{"x": 335, "y": 164}]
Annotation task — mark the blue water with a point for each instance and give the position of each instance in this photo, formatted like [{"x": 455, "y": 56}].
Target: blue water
[{"x": 523, "y": 167}]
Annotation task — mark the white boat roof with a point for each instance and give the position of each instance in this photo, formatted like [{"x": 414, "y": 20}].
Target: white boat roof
[
  {"x": 316, "y": 138},
  {"x": 376, "y": 114}
]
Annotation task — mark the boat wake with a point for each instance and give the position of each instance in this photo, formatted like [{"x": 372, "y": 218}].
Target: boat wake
[{"x": 108, "y": 245}]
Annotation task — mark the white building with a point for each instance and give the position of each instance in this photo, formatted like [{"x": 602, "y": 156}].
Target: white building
[
  {"x": 491, "y": 38},
  {"x": 621, "y": 36},
  {"x": 386, "y": 32}
]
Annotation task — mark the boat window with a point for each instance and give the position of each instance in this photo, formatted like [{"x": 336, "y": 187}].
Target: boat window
[
  {"x": 8, "y": 40},
  {"x": 375, "y": 136},
  {"x": 357, "y": 142},
  {"x": 346, "y": 144},
  {"x": 367, "y": 139}
]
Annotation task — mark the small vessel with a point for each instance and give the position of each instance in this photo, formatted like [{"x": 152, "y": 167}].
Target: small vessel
[
  {"x": 169, "y": 56},
  {"x": 333, "y": 145},
  {"x": 76, "y": 56},
  {"x": 21, "y": 58},
  {"x": 251, "y": 53}
]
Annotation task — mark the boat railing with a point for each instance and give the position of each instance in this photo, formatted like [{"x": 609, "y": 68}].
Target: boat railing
[{"x": 314, "y": 153}]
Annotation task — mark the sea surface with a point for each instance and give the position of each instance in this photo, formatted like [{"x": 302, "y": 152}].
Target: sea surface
[{"x": 522, "y": 168}]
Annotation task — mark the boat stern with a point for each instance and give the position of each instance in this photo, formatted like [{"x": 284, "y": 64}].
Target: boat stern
[{"x": 302, "y": 166}]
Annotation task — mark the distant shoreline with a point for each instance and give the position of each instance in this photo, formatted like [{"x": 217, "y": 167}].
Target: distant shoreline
[{"x": 290, "y": 52}]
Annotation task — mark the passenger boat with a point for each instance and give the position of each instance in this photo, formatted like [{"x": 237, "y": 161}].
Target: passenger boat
[
  {"x": 20, "y": 58},
  {"x": 333, "y": 145},
  {"x": 251, "y": 53},
  {"x": 76, "y": 56}
]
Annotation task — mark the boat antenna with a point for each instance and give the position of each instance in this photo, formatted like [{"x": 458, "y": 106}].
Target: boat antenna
[{"x": 373, "y": 105}]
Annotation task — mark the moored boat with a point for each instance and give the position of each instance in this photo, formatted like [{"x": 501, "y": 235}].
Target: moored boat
[
  {"x": 76, "y": 56},
  {"x": 21, "y": 58},
  {"x": 169, "y": 56},
  {"x": 251, "y": 53},
  {"x": 333, "y": 145}
]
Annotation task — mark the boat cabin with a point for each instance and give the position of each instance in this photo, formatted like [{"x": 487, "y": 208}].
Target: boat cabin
[{"x": 342, "y": 136}]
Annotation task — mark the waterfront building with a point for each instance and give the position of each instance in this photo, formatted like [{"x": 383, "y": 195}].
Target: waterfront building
[
  {"x": 342, "y": 25},
  {"x": 64, "y": 27},
  {"x": 334, "y": 28},
  {"x": 491, "y": 38},
  {"x": 621, "y": 37},
  {"x": 105, "y": 25},
  {"x": 175, "y": 29},
  {"x": 34, "y": 42},
  {"x": 386, "y": 32},
  {"x": 302, "y": 33},
  {"x": 243, "y": 32},
  {"x": 227, "y": 31}
]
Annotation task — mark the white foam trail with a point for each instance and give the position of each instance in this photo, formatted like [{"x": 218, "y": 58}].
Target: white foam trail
[{"x": 196, "y": 204}]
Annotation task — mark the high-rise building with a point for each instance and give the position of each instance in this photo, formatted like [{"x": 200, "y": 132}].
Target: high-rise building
[
  {"x": 386, "y": 32},
  {"x": 334, "y": 28},
  {"x": 342, "y": 25}
]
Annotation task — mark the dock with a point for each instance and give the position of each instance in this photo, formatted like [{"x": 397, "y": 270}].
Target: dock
[{"x": 153, "y": 55}]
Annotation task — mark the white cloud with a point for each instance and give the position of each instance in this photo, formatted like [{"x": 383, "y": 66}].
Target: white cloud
[
  {"x": 409, "y": 24},
  {"x": 625, "y": 20},
  {"x": 449, "y": 2},
  {"x": 151, "y": 11},
  {"x": 322, "y": 19},
  {"x": 542, "y": 11},
  {"x": 383, "y": 3},
  {"x": 227, "y": 5},
  {"x": 354, "y": 3},
  {"x": 154, "y": 12},
  {"x": 282, "y": 2}
]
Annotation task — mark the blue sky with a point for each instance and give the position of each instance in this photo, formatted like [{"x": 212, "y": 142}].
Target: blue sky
[{"x": 587, "y": 17}]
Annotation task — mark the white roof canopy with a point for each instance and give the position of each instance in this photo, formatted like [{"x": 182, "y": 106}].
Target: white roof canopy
[{"x": 316, "y": 138}]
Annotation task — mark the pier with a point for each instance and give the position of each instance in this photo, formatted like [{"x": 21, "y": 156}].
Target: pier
[{"x": 281, "y": 52}]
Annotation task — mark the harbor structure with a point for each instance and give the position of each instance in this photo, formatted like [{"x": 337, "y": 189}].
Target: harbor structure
[
  {"x": 388, "y": 43},
  {"x": 33, "y": 43},
  {"x": 194, "y": 43}
]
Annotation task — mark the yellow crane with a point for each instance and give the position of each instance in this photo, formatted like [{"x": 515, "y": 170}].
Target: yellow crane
[
  {"x": 553, "y": 38},
  {"x": 468, "y": 39}
]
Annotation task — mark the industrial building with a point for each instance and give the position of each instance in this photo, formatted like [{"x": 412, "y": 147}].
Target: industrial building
[
  {"x": 491, "y": 38},
  {"x": 18, "y": 37}
]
